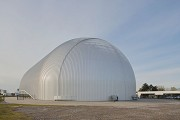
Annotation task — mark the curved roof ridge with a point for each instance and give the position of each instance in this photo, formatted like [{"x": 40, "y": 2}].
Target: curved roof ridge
[{"x": 68, "y": 54}]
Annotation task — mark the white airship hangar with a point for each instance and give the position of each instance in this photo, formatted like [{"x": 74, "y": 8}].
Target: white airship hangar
[{"x": 82, "y": 69}]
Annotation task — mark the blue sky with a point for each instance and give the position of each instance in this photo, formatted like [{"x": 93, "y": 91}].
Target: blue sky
[{"x": 146, "y": 31}]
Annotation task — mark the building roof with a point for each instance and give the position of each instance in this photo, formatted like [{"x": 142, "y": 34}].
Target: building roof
[{"x": 158, "y": 92}]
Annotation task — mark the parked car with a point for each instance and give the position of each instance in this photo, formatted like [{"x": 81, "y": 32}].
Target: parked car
[
  {"x": 178, "y": 97},
  {"x": 169, "y": 97}
]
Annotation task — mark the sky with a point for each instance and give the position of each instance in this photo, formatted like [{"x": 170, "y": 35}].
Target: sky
[{"x": 146, "y": 31}]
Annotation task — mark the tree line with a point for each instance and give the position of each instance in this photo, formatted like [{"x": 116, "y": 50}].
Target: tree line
[{"x": 146, "y": 87}]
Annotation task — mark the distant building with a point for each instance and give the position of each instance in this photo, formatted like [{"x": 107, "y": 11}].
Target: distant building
[
  {"x": 82, "y": 69},
  {"x": 159, "y": 94}
]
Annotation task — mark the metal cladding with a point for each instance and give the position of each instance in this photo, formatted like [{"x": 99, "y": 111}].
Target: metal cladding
[{"x": 82, "y": 69}]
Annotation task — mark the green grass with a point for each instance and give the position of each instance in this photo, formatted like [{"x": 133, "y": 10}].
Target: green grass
[{"x": 7, "y": 112}]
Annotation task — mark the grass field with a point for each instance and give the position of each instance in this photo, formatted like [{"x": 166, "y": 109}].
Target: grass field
[{"x": 7, "y": 113}]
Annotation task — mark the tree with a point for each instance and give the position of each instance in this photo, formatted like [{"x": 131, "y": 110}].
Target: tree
[
  {"x": 173, "y": 89},
  {"x": 154, "y": 88},
  {"x": 161, "y": 88},
  {"x": 145, "y": 87},
  {"x": 151, "y": 87}
]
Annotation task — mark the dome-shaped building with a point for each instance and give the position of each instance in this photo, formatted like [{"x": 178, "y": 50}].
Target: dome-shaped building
[{"x": 82, "y": 69}]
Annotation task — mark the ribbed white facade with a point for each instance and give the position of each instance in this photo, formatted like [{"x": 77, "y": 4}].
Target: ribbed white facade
[{"x": 83, "y": 69}]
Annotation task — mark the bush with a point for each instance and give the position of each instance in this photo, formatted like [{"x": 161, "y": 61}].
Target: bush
[{"x": 1, "y": 98}]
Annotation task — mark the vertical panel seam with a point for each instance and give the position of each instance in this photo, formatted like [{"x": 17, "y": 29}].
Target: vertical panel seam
[{"x": 65, "y": 59}]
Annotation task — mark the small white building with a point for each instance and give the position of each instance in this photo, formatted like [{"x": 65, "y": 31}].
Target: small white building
[{"x": 162, "y": 94}]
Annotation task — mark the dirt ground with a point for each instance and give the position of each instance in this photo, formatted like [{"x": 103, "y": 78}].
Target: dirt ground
[{"x": 156, "y": 111}]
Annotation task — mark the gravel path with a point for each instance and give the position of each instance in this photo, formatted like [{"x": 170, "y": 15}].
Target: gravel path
[
  {"x": 121, "y": 104},
  {"x": 147, "y": 109},
  {"x": 161, "y": 112}
]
